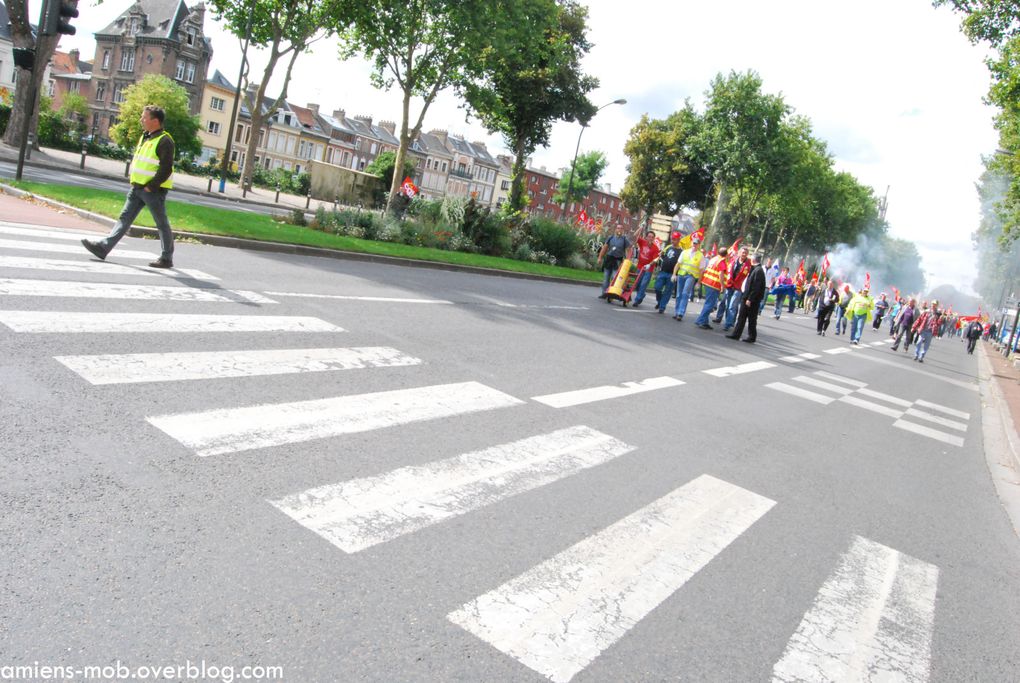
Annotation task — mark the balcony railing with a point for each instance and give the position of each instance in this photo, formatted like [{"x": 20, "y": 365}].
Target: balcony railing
[{"x": 460, "y": 174}]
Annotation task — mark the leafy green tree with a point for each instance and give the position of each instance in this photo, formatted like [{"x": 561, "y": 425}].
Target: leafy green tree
[
  {"x": 577, "y": 182},
  {"x": 286, "y": 28},
  {"x": 163, "y": 92},
  {"x": 520, "y": 92},
  {"x": 75, "y": 110},
  {"x": 424, "y": 47},
  {"x": 741, "y": 140},
  {"x": 664, "y": 173}
]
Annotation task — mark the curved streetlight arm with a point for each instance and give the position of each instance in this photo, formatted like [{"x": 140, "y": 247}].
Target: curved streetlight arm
[{"x": 570, "y": 178}]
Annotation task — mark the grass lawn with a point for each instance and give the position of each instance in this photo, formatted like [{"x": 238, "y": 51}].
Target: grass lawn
[{"x": 210, "y": 221}]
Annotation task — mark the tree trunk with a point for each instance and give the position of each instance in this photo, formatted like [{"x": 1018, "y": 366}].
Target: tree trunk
[
  {"x": 789, "y": 246},
  {"x": 22, "y": 37},
  {"x": 517, "y": 182},
  {"x": 398, "y": 163},
  {"x": 761, "y": 237},
  {"x": 257, "y": 119},
  {"x": 719, "y": 208}
]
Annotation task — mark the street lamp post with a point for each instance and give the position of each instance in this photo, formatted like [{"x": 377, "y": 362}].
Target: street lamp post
[{"x": 570, "y": 178}]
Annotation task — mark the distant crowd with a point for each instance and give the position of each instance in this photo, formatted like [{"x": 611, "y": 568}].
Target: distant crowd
[{"x": 734, "y": 286}]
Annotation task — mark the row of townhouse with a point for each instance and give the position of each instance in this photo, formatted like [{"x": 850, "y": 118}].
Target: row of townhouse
[{"x": 166, "y": 37}]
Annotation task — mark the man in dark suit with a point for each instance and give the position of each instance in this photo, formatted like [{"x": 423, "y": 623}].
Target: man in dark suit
[{"x": 751, "y": 297}]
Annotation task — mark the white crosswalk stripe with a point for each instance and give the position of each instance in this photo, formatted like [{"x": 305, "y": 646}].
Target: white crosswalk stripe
[
  {"x": 828, "y": 386},
  {"x": 580, "y": 396},
  {"x": 557, "y": 617},
  {"x": 853, "y": 392},
  {"x": 872, "y": 620},
  {"x": 357, "y": 514},
  {"x": 104, "y": 290},
  {"x": 49, "y": 247},
  {"x": 341, "y": 297},
  {"x": 838, "y": 349},
  {"x": 229, "y": 430},
  {"x": 739, "y": 369},
  {"x": 799, "y": 358},
  {"x": 943, "y": 409},
  {"x": 100, "y": 268},
  {"x": 802, "y": 393},
  {"x": 24, "y": 230},
  {"x": 176, "y": 367},
  {"x": 71, "y": 322}
]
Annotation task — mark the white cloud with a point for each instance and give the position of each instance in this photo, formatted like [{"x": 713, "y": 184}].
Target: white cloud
[{"x": 893, "y": 87}]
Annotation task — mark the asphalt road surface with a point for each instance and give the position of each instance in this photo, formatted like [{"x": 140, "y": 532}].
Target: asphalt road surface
[{"x": 371, "y": 473}]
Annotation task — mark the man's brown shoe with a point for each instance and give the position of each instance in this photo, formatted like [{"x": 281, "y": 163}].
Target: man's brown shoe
[{"x": 161, "y": 263}]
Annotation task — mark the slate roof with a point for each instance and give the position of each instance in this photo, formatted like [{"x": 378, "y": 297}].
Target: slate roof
[
  {"x": 5, "y": 19},
  {"x": 342, "y": 124},
  {"x": 219, "y": 80},
  {"x": 432, "y": 145},
  {"x": 162, "y": 18}
]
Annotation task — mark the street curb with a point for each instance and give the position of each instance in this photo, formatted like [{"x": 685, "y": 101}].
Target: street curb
[
  {"x": 998, "y": 430},
  {"x": 296, "y": 249}
]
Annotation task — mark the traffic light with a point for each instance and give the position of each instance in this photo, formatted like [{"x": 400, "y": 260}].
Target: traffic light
[{"x": 56, "y": 15}]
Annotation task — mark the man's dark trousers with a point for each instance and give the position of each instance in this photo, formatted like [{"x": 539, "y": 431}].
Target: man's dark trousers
[
  {"x": 748, "y": 314},
  {"x": 136, "y": 199}
]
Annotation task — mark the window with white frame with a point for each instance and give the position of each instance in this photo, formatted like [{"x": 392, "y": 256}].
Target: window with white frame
[
  {"x": 214, "y": 127},
  {"x": 179, "y": 72},
  {"x": 106, "y": 60},
  {"x": 118, "y": 93},
  {"x": 189, "y": 75},
  {"x": 127, "y": 59},
  {"x": 217, "y": 103},
  {"x": 100, "y": 91}
]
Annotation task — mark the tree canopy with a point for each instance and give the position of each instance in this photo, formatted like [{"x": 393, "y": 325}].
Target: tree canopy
[
  {"x": 578, "y": 184},
  {"x": 520, "y": 92},
  {"x": 163, "y": 92}
]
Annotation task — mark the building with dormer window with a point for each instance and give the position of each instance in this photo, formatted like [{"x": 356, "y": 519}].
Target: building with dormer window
[{"x": 162, "y": 37}]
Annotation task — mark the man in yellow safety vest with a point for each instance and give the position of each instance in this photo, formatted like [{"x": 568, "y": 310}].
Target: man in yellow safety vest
[
  {"x": 689, "y": 270},
  {"x": 152, "y": 171}
]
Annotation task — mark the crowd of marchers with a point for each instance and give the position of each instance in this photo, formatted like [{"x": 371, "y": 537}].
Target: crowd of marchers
[{"x": 733, "y": 286}]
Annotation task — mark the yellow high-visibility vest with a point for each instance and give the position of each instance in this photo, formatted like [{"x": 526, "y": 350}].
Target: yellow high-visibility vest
[
  {"x": 690, "y": 262},
  {"x": 145, "y": 163}
]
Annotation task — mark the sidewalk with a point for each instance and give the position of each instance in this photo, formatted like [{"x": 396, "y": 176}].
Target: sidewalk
[{"x": 111, "y": 169}]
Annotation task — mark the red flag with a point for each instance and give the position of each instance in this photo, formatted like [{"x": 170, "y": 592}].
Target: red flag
[
  {"x": 736, "y": 243},
  {"x": 700, "y": 232},
  {"x": 867, "y": 281},
  {"x": 800, "y": 268},
  {"x": 582, "y": 217},
  {"x": 896, "y": 294},
  {"x": 409, "y": 188},
  {"x": 713, "y": 250},
  {"x": 825, "y": 262}
]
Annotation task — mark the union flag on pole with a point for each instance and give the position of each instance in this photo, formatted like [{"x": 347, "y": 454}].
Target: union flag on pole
[
  {"x": 867, "y": 281},
  {"x": 736, "y": 243},
  {"x": 825, "y": 262},
  {"x": 409, "y": 188},
  {"x": 582, "y": 217}
]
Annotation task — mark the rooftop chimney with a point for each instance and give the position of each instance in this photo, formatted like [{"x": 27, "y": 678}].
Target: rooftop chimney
[
  {"x": 389, "y": 127},
  {"x": 73, "y": 55},
  {"x": 314, "y": 107},
  {"x": 339, "y": 114},
  {"x": 362, "y": 117},
  {"x": 441, "y": 134}
]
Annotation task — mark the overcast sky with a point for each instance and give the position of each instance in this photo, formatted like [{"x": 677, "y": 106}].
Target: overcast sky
[{"x": 892, "y": 87}]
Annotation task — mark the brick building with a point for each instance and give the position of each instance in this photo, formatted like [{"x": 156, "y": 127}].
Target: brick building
[{"x": 150, "y": 37}]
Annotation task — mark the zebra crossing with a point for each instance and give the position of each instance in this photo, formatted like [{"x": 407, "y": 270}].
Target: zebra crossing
[
  {"x": 875, "y": 612},
  {"x": 905, "y": 413}
]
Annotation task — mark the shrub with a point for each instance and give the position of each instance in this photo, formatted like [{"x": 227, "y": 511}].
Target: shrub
[
  {"x": 486, "y": 230},
  {"x": 554, "y": 238},
  {"x": 297, "y": 217},
  {"x": 5, "y": 116}
]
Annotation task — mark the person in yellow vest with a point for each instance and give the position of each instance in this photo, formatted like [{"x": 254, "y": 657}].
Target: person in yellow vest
[
  {"x": 713, "y": 282},
  {"x": 152, "y": 172},
  {"x": 858, "y": 311},
  {"x": 689, "y": 270}
]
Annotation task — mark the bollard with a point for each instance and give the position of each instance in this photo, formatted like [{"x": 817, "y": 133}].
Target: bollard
[
  {"x": 84, "y": 151},
  {"x": 244, "y": 190},
  {"x": 209, "y": 189},
  {"x": 127, "y": 168},
  {"x": 336, "y": 202},
  {"x": 308, "y": 199},
  {"x": 277, "y": 200}
]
